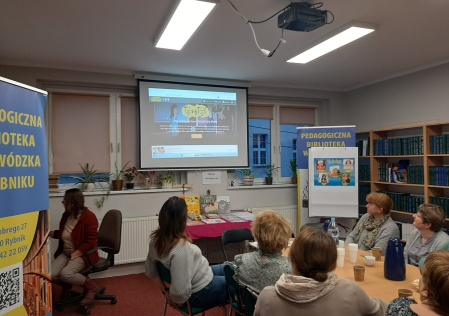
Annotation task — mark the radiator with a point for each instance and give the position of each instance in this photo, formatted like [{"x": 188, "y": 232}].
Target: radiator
[
  {"x": 288, "y": 212},
  {"x": 135, "y": 239}
]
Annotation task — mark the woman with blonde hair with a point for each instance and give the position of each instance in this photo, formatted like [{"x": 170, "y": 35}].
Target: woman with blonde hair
[
  {"x": 312, "y": 288},
  {"x": 264, "y": 266},
  {"x": 428, "y": 234},
  {"x": 376, "y": 227}
]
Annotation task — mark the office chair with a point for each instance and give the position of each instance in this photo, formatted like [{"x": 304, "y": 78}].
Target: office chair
[
  {"x": 235, "y": 236},
  {"x": 186, "y": 309},
  {"x": 234, "y": 290},
  {"x": 109, "y": 240}
]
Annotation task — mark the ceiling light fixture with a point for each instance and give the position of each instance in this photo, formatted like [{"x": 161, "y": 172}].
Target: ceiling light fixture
[
  {"x": 333, "y": 40},
  {"x": 184, "y": 20}
]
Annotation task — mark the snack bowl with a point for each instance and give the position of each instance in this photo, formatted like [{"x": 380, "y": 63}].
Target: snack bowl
[{"x": 369, "y": 260}]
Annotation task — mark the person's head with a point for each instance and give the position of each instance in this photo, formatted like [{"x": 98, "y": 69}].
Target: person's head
[
  {"x": 313, "y": 254},
  {"x": 174, "y": 110},
  {"x": 434, "y": 284},
  {"x": 73, "y": 201},
  {"x": 272, "y": 232},
  {"x": 430, "y": 216},
  {"x": 172, "y": 225},
  {"x": 379, "y": 203}
]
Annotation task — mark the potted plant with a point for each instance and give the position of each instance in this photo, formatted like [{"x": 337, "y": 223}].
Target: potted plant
[
  {"x": 90, "y": 178},
  {"x": 129, "y": 175},
  {"x": 166, "y": 180},
  {"x": 293, "y": 170},
  {"x": 117, "y": 177},
  {"x": 269, "y": 170},
  {"x": 247, "y": 176}
]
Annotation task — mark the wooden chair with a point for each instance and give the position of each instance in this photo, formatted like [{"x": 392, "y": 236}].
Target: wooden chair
[
  {"x": 186, "y": 309},
  {"x": 235, "y": 236}
]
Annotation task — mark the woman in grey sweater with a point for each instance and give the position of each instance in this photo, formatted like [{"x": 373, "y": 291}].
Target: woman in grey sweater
[{"x": 192, "y": 277}]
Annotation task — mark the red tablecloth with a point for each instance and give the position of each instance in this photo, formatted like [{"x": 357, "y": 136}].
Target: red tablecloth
[{"x": 214, "y": 230}]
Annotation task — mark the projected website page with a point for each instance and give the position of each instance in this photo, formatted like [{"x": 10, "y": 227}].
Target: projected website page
[{"x": 193, "y": 124}]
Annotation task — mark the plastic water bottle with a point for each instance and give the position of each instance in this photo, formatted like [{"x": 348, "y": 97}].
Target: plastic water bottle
[{"x": 333, "y": 230}]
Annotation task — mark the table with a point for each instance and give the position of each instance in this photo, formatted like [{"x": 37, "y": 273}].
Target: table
[
  {"x": 214, "y": 230},
  {"x": 375, "y": 284},
  {"x": 208, "y": 238}
]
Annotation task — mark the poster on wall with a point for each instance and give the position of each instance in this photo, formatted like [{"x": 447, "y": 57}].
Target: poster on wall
[
  {"x": 333, "y": 179},
  {"x": 24, "y": 221},
  {"x": 316, "y": 136}
]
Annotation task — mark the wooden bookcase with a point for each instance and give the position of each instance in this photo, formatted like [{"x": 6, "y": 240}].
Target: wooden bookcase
[{"x": 424, "y": 148}]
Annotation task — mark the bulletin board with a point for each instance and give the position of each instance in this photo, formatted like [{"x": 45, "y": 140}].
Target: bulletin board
[{"x": 333, "y": 182}]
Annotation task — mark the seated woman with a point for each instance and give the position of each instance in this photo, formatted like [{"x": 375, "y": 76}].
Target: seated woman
[
  {"x": 313, "y": 289},
  {"x": 192, "y": 277},
  {"x": 376, "y": 227},
  {"x": 77, "y": 234},
  {"x": 428, "y": 235},
  {"x": 264, "y": 267},
  {"x": 433, "y": 289}
]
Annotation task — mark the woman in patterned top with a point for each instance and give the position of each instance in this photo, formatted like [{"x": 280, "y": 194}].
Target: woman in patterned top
[
  {"x": 264, "y": 267},
  {"x": 376, "y": 227}
]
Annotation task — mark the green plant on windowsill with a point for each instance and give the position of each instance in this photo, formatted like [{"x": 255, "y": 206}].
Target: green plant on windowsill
[
  {"x": 269, "y": 170},
  {"x": 247, "y": 175},
  {"x": 118, "y": 174},
  {"x": 293, "y": 171},
  {"x": 90, "y": 176},
  {"x": 166, "y": 180}
]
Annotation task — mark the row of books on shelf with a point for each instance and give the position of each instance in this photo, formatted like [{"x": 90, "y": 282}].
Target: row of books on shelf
[
  {"x": 364, "y": 173},
  {"x": 439, "y": 175},
  {"x": 405, "y": 202},
  {"x": 364, "y": 148},
  {"x": 439, "y": 144},
  {"x": 399, "y": 146},
  {"x": 394, "y": 172},
  {"x": 441, "y": 201}
]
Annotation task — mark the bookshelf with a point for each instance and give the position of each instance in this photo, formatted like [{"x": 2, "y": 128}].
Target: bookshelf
[{"x": 409, "y": 163}]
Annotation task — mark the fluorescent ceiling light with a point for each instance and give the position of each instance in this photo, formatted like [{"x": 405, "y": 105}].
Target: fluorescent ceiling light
[
  {"x": 184, "y": 21},
  {"x": 340, "y": 37}
]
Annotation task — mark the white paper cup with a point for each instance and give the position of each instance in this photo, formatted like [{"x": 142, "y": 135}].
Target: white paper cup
[
  {"x": 341, "y": 257},
  {"x": 341, "y": 244},
  {"x": 353, "y": 247},
  {"x": 353, "y": 256}
]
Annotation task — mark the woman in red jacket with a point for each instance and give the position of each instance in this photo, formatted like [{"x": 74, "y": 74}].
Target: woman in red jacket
[{"x": 77, "y": 234}]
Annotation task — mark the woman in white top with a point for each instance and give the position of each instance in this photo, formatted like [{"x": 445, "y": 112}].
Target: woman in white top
[{"x": 192, "y": 277}]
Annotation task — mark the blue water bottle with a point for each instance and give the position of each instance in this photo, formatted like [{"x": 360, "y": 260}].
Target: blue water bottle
[{"x": 394, "y": 265}]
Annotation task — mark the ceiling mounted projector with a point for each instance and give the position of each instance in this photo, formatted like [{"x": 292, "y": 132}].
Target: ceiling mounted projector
[{"x": 302, "y": 17}]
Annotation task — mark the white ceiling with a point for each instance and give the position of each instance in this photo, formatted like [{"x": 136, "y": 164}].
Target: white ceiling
[{"x": 116, "y": 36}]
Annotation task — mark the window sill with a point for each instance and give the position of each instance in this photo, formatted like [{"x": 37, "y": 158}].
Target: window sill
[
  {"x": 263, "y": 186},
  {"x": 131, "y": 191}
]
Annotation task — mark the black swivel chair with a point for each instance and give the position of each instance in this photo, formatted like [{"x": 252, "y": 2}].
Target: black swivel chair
[
  {"x": 235, "y": 236},
  {"x": 109, "y": 240}
]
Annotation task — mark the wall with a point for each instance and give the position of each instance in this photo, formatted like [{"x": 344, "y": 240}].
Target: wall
[
  {"x": 418, "y": 97},
  {"x": 331, "y": 113}
]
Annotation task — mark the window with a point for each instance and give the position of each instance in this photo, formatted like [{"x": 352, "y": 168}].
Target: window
[
  {"x": 90, "y": 127},
  {"x": 273, "y": 133}
]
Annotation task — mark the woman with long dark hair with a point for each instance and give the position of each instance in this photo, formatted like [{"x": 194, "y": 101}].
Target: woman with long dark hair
[
  {"x": 77, "y": 234},
  {"x": 192, "y": 278}
]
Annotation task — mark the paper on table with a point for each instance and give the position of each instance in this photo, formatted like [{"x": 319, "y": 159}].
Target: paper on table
[
  {"x": 245, "y": 215},
  {"x": 213, "y": 221}
]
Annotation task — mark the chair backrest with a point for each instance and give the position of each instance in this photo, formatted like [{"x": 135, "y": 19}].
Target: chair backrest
[
  {"x": 235, "y": 236},
  {"x": 164, "y": 273},
  {"x": 249, "y": 300},
  {"x": 110, "y": 232}
]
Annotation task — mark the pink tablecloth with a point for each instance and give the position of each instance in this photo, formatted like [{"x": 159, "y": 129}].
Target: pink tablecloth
[{"x": 214, "y": 230}]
